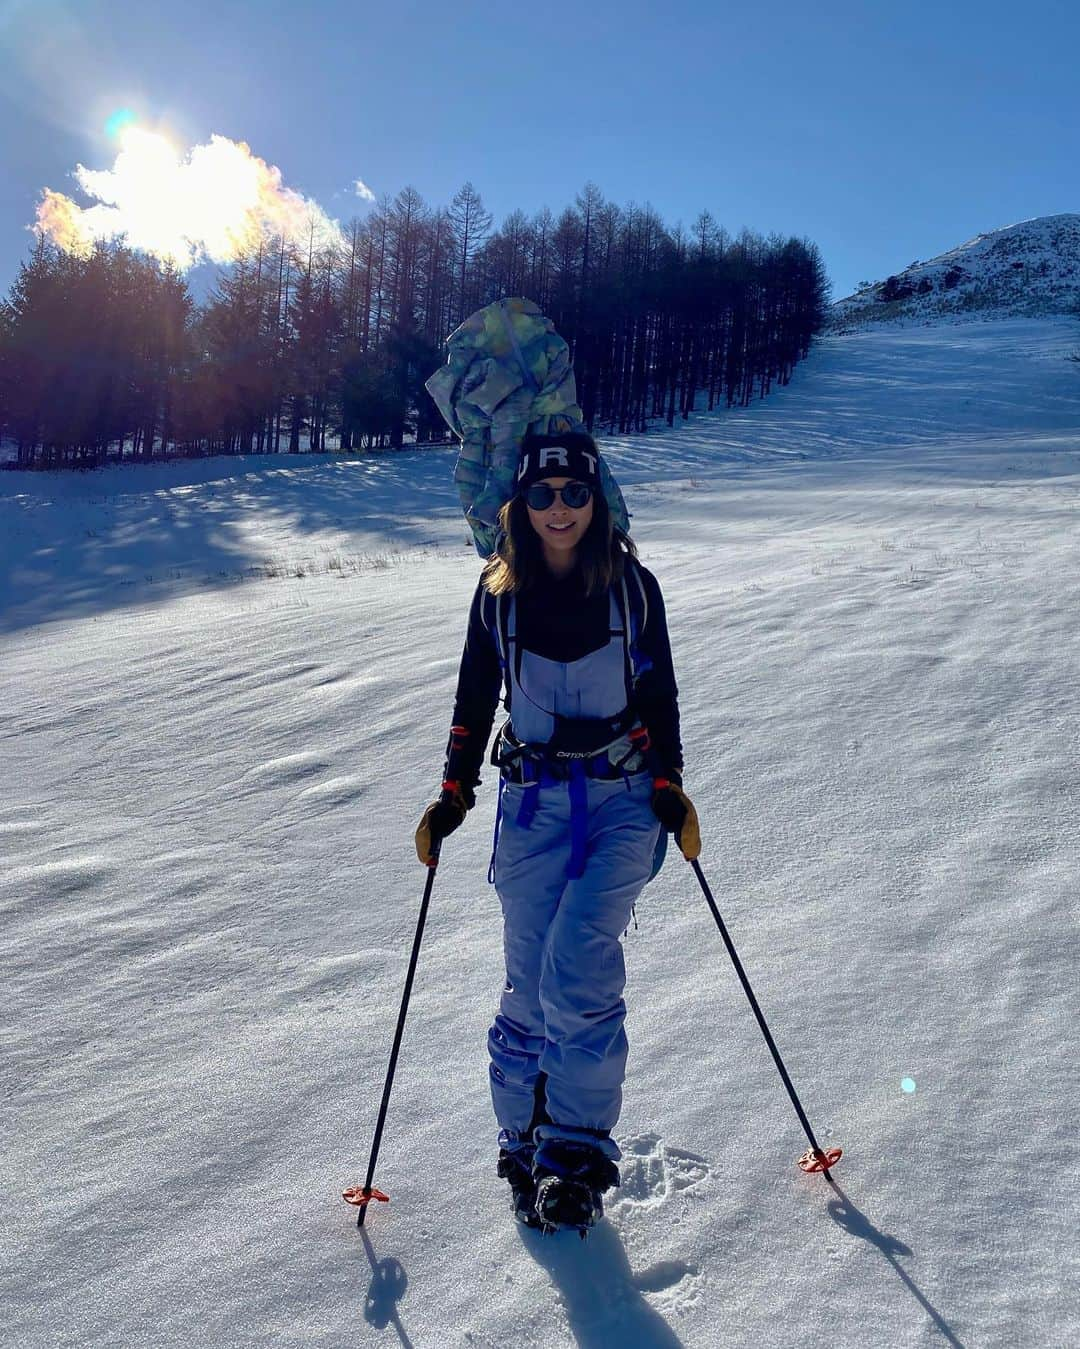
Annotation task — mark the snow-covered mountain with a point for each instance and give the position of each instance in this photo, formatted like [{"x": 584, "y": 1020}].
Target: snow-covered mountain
[{"x": 1032, "y": 268}]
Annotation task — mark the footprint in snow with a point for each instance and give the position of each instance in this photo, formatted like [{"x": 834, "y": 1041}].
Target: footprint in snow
[
  {"x": 670, "y": 1286},
  {"x": 652, "y": 1172}
]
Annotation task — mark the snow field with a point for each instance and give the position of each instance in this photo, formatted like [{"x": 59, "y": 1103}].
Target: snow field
[{"x": 209, "y": 891}]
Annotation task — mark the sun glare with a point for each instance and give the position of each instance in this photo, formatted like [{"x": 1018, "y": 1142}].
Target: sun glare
[{"x": 213, "y": 202}]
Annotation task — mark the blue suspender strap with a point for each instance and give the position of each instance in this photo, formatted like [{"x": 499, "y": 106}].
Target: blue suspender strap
[
  {"x": 579, "y": 820},
  {"x": 495, "y": 835},
  {"x": 530, "y": 797},
  {"x": 577, "y": 785}
]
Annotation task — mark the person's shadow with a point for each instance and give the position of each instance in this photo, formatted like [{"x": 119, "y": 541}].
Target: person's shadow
[
  {"x": 844, "y": 1213},
  {"x": 388, "y": 1284},
  {"x": 602, "y": 1295}
]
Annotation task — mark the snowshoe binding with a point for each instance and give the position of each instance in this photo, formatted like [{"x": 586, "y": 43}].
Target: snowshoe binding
[
  {"x": 571, "y": 1179},
  {"x": 516, "y": 1167}
]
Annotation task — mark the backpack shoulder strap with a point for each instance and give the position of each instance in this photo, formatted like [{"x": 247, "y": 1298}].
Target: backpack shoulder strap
[
  {"x": 496, "y": 612},
  {"x": 643, "y": 598},
  {"x": 635, "y": 605},
  {"x": 487, "y": 609}
]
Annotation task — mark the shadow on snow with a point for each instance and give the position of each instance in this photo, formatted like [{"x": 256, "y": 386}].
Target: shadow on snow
[
  {"x": 77, "y": 544},
  {"x": 601, "y": 1294},
  {"x": 844, "y": 1213}
]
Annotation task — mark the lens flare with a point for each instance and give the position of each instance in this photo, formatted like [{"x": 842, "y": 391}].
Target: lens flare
[
  {"x": 214, "y": 202},
  {"x": 908, "y": 1084},
  {"x": 119, "y": 121}
]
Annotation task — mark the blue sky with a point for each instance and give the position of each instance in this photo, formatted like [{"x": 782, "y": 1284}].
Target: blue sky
[{"x": 882, "y": 133}]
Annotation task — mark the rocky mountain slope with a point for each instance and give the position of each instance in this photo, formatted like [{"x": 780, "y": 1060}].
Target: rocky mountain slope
[{"x": 1032, "y": 268}]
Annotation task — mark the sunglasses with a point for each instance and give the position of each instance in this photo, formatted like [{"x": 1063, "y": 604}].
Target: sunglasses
[{"x": 574, "y": 495}]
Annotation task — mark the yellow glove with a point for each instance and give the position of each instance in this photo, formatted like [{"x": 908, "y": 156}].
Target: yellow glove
[
  {"x": 675, "y": 811},
  {"x": 441, "y": 818}
]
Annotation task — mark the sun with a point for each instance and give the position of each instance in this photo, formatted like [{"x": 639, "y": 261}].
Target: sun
[{"x": 212, "y": 202}]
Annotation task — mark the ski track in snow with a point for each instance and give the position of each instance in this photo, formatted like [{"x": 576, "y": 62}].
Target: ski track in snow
[{"x": 227, "y": 687}]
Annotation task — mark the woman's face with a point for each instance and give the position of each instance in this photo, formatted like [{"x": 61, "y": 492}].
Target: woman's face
[{"x": 560, "y": 528}]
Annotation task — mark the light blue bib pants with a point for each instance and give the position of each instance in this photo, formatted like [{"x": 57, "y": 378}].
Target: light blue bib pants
[{"x": 571, "y": 857}]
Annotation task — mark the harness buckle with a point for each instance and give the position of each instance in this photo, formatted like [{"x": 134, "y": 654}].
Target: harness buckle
[{"x": 523, "y": 763}]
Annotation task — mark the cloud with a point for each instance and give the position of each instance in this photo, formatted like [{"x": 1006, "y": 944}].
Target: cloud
[
  {"x": 363, "y": 191},
  {"x": 213, "y": 203}
]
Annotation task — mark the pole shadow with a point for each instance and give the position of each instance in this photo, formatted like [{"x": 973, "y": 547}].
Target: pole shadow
[
  {"x": 844, "y": 1213},
  {"x": 602, "y": 1296},
  {"x": 388, "y": 1284}
]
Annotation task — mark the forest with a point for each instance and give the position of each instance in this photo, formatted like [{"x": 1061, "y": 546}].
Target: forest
[{"x": 297, "y": 346}]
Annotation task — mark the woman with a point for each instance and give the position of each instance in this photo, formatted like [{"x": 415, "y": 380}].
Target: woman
[{"x": 572, "y": 627}]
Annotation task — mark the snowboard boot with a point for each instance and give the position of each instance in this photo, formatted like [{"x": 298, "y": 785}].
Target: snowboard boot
[
  {"x": 516, "y": 1167},
  {"x": 571, "y": 1179}
]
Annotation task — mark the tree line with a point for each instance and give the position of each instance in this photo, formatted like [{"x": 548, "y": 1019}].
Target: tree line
[{"x": 328, "y": 347}]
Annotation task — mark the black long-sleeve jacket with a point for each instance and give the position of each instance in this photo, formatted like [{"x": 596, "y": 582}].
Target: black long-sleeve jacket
[{"x": 557, "y": 620}]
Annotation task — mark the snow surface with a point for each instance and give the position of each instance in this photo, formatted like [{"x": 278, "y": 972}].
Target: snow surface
[
  {"x": 225, "y": 698},
  {"x": 1029, "y": 268}
]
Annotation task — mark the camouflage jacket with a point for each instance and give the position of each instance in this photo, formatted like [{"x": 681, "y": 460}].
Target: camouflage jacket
[{"x": 507, "y": 372}]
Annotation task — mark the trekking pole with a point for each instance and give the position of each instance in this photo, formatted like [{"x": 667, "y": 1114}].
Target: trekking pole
[
  {"x": 362, "y": 1195},
  {"x": 815, "y": 1159}
]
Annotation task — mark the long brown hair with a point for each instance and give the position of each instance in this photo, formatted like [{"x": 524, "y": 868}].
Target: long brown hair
[{"x": 519, "y": 556}]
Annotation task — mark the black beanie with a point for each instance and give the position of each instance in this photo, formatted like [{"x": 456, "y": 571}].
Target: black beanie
[{"x": 570, "y": 455}]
